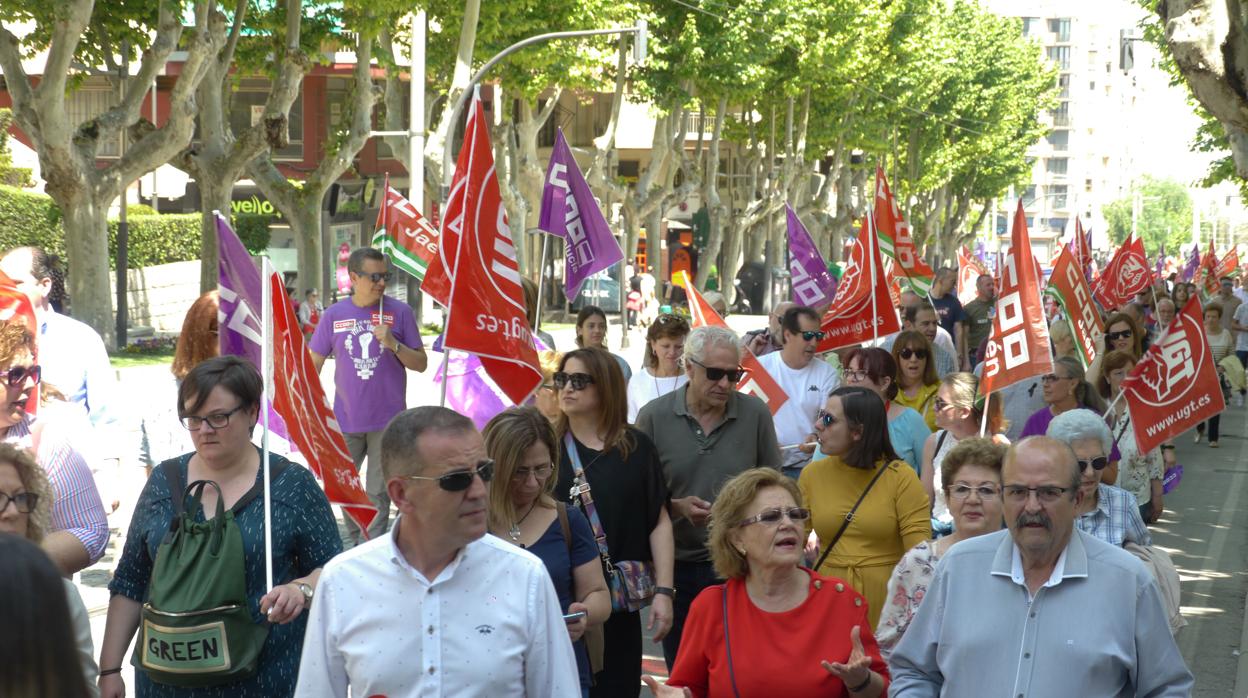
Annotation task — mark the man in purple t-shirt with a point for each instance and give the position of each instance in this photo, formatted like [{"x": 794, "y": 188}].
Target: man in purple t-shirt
[{"x": 372, "y": 354}]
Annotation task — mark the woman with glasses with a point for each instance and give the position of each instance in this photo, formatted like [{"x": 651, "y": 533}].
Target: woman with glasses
[
  {"x": 33, "y": 649},
  {"x": 873, "y": 368},
  {"x": 971, "y": 484},
  {"x": 959, "y": 414},
  {"x": 861, "y": 473},
  {"x": 1065, "y": 389},
  {"x": 661, "y": 370},
  {"x": 1122, "y": 333},
  {"x": 1140, "y": 474},
  {"x": 1107, "y": 512},
  {"x": 523, "y": 511},
  {"x": 775, "y": 628},
  {"x": 620, "y": 474},
  {"x": 591, "y": 332},
  {"x": 1221, "y": 345},
  {"x": 78, "y": 533},
  {"x": 219, "y": 402},
  {"x": 917, "y": 381}
]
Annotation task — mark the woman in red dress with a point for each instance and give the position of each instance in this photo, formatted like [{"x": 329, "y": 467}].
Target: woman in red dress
[{"x": 775, "y": 628}]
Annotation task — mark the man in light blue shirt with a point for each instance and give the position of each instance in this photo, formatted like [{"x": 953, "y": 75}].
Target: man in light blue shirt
[{"x": 1041, "y": 609}]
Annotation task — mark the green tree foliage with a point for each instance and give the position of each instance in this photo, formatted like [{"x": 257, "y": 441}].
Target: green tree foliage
[{"x": 1164, "y": 215}]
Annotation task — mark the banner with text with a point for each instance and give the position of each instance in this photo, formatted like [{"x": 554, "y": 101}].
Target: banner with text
[
  {"x": 862, "y": 310},
  {"x": 1070, "y": 289},
  {"x": 813, "y": 286},
  {"x": 1018, "y": 347}
]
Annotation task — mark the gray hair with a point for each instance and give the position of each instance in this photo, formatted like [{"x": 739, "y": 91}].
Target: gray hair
[
  {"x": 703, "y": 338},
  {"x": 1079, "y": 424},
  {"x": 1168, "y": 302},
  {"x": 400, "y": 442}
]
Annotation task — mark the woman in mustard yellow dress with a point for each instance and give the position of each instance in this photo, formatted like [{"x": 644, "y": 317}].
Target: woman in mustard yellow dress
[
  {"x": 893, "y": 516},
  {"x": 916, "y": 375}
]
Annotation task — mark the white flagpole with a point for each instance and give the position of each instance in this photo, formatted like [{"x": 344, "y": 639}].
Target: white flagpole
[
  {"x": 541, "y": 282},
  {"x": 266, "y": 372},
  {"x": 983, "y": 420}
]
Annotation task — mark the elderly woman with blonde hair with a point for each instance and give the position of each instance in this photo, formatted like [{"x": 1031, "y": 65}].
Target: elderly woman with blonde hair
[{"x": 772, "y": 612}]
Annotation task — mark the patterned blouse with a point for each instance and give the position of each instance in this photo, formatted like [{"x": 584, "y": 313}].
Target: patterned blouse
[
  {"x": 305, "y": 537},
  {"x": 906, "y": 589},
  {"x": 1136, "y": 470}
]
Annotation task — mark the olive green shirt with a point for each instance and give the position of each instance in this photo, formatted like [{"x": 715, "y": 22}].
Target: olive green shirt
[
  {"x": 697, "y": 464},
  {"x": 978, "y": 320}
]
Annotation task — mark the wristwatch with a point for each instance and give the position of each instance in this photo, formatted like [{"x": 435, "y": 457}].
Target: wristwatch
[
  {"x": 307, "y": 590},
  {"x": 666, "y": 591}
]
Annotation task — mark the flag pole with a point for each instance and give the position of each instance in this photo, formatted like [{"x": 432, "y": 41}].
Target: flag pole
[
  {"x": 983, "y": 420},
  {"x": 541, "y": 283},
  {"x": 385, "y": 244},
  {"x": 266, "y": 368}
]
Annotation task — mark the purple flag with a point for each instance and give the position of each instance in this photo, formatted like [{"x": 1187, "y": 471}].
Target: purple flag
[
  {"x": 1160, "y": 272},
  {"x": 813, "y": 286},
  {"x": 570, "y": 211},
  {"x": 240, "y": 317},
  {"x": 1193, "y": 263},
  {"x": 469, "y": 389}
]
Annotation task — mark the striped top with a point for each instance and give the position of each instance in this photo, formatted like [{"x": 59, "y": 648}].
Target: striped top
[{"x": 76, "y": 505}]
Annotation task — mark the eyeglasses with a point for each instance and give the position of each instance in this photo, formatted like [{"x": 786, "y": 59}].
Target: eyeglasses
[
  {"x": 578, "y": 380},
  {"x": 909, "y": 353},
  {"x": 717, "y": 374},
  {"x": 856, "y": 374},
  {"x": 459, "y": 480},
  {"x": 1098, "y": 463},
  {"x": 985, "y": 492},
  {"x": 771, "y": 517},
  {"x": 24, "y": 501},
  {"x": 825, "y": 417},
  {"x": 18, "y": 374},
  {"x": 1115, "y": 336},
  {"x": 540, "y": 472},
  {"x": 814, "y": 334},
  {"x": 377, "y": 276},
  {"x": 217, "y": 420},
  {"x": 1053, "y": 378},
  {"x": 1045, "y": 493}
]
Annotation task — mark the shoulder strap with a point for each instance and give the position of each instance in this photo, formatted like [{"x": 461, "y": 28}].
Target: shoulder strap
[
  {"x": 849, "y": 516},
  {"x": 173, "y": 475},
  {"x": 581, "y": 487},
  {"x": 940, "y": 441},
  {"x": 567, "y": 527},
  {"x": 276, "y": 468},
  {"x": 732, "y": 675}
]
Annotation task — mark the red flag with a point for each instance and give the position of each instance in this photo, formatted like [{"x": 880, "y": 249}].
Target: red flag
[
  {"x": 300, "y": 400},
  {"x": 1206, "y": 274},
  {"x": 1175, "y": 385},
  {"x": 1069, "y": 288},
  {"x": 486, "y": 302},
  {"x": 1229, "y": 265},
  {"x": 404, "y": 234},
  {"x": 757, "y": 382},
  {"x": 894, "y": 237},
  {"x": 1018, "y": 347},
  {"x": 862, "y": 309},
  {"x": 1082, "y": 247},
  {"x": 1126, "y": 275},
  {"x": 969, "y": 271}
]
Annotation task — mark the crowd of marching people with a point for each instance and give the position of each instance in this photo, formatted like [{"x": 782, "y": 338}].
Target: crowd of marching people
[{"x": 817, "y": 550}]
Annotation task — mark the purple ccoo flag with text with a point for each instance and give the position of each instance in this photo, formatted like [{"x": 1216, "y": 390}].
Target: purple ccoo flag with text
[
  {"x": 813, "y": 286},
  {"x": 570, "y": 211}
]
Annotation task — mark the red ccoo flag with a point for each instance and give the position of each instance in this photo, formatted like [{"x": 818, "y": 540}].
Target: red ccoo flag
[
  {"x": 1018, "y": 347},
  {"x": 1175, "y": 385},
  {"x": 757, "y": 382},
  {"x": 487, "y": 315}
]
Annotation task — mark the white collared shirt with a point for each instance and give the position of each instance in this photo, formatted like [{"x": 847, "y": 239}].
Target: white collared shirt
[
  {"x": 488, "y": 625},
  {"x": 1020, "y": 577}
]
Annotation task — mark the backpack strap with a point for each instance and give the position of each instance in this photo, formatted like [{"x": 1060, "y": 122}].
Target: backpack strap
[
  {"x": 567, "y": 527},
  {"x": 177, "y": 486}
]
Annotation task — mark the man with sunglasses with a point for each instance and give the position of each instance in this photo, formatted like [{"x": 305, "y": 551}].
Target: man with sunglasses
[
  {"x": 806, "y": 381},
  {"x": 436, "y": 606},
  {"x": 373, "y": 351},
  {"x": 1041, "y": 609},
  {"x": 706, "y": 433}
]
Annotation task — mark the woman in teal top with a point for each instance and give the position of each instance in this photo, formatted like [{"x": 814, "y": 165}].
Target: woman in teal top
[
  {"x": 875, "y": 369},
  {"x": 218, "y": 403}
]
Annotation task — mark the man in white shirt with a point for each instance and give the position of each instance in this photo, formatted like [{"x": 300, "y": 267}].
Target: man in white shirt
[
  {"x": 435, "y": 607},
  {"x": 806, "y": 381}
]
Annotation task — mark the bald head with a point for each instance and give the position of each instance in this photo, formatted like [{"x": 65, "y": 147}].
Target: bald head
[{"x": 1045, "y": 452}]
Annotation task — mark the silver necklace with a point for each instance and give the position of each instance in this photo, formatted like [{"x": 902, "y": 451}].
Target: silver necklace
[
  {"x": 514, "y": 531},
  {"x": 659, "y": 391}
]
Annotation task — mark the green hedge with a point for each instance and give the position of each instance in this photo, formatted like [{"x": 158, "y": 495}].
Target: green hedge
[{"x": 33, "y": 219}]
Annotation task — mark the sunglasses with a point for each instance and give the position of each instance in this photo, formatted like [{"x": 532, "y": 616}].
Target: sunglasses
[
  {"x": 771, "y": 517},
  {"x": 814, "y": 334},
  {"x": 1098, "y": 463},
  {"x": 18, "y": 374},
  {"x": 717, "y": 374},
  {"x": 459, "y": 480},
  {"x": 1115, "y": 336},
  {"x": 377, "y": 276},
  {"x": 578, "y": 380},
  {"x": 909, "y": 353},
  {"x": 941, "y": 405}
]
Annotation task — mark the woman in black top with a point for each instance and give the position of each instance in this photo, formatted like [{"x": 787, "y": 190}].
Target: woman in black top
[{"x": 629, "y": 496}]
